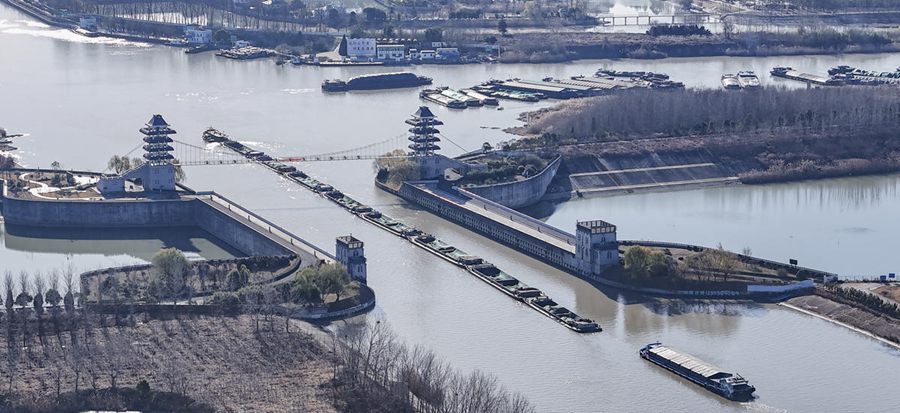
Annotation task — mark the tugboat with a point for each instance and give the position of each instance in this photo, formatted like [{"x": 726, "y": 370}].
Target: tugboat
[
  {"x": 728, "y": 385},
  {"x": 748, "y": 79},
  {"x": 731, "y": 82},
  {"x": 335, "y": 85}
]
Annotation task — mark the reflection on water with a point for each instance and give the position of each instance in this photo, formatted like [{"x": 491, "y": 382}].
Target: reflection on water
[
  {"x": 844, "y": 225},
  {"x": 40, "y": 249}
]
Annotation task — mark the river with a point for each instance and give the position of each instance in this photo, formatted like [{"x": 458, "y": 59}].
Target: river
[{"x": 81, "y": 100}]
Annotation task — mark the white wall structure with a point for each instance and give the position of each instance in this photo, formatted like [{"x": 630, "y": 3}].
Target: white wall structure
[
  {"x": 195, "y": 35},
  {"x": 361, "y": 49},
  {"x": 394, "y": 52}
]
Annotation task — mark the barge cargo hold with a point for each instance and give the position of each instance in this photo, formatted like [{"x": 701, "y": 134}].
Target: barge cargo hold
[
  {"x": 790, "y": 73},
  {"x": 728, "y": 385}
]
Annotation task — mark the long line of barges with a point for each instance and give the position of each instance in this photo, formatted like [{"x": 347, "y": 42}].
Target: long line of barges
[{"x": 483, "y": 270}]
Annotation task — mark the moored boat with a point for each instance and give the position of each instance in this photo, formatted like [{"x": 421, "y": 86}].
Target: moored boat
[
  {"x": 748, "y": 79},
  {"x": 729, "y": 385},
  {"x": 730, "y": 82}
]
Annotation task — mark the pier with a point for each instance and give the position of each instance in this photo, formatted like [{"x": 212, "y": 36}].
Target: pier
[{"x": 474, "y": 265}]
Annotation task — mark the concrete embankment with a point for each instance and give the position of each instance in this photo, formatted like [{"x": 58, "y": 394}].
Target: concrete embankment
[
  {"x": 606, "y": 174},
  {"x": 520, "y": 194},
  {"x": 878, "y": 327}
]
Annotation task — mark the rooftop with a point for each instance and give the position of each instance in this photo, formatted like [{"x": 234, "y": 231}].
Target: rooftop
[{"x": 596, "y": 226}]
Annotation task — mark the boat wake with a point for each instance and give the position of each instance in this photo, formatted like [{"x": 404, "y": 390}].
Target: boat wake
[
  {"x": 297, "y": 91},
  {"x": 38, "y": 29},
  {"x": 762, "y": 407}
]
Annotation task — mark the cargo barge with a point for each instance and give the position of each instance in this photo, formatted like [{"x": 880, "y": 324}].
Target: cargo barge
[
  {"x": 790, "y": 73},
  {"x": 484, "y": 99},
  {"x": 474, "y": 265},
  {"x": 728, "y": 385},
  {"x": 437, "y": 96},
  {"x": 377, "y": 81}
]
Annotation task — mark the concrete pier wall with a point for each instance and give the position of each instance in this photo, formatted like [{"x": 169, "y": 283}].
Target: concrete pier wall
[
  {"x": 250, "y": 238},
  {"x": 518, "y": 235},
  {"x": 522, "y": 193},
  {"x": 98, "y": 214}
]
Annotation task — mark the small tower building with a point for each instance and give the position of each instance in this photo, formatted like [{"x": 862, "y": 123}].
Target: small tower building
[
  {"x": 596, "y": 247},
  {"x": 349, "y": 252}
]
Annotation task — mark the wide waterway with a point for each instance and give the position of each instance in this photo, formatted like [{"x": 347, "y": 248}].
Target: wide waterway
[{"x": 80, "y": 100}]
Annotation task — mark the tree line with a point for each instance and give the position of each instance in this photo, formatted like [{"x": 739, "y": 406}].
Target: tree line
[
  {"x": 864, "y": 299},
  {"x": 373, "y": 364},
  {"x": 643, "y": 113}
]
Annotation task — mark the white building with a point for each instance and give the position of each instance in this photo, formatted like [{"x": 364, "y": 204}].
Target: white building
[
  {"x": 447, "y": 53},
  {"x": 393, "y": 52},
  {"x": 361, "y": 49},
  {"x": 427, "y": 54},
  {"x": 195, "y": 35},
  {"x": 88, "y": 23}
]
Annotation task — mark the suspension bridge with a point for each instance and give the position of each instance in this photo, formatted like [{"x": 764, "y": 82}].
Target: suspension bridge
[{"x": 187, "y": 154}]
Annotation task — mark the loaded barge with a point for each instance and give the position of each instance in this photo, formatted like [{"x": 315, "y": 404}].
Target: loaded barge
[
  {"x": 728, "y": 385},
  {"x": 376, "y": 81},
  {"x": 476, "y": 266}
]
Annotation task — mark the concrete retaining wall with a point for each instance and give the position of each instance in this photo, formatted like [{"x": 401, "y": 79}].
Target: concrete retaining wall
[
  {"x": 235, "y": 233},
  {"x": 503, "y": 234},
  {"x": 98, "y": 214},
  {"x": 522, "y": 193},
  {"x": 190, "y": 212}
]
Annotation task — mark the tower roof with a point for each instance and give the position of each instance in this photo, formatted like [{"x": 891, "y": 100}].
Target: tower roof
[
  {"x": 157, "y": 121},
  {"x": 424, "y": 112}
]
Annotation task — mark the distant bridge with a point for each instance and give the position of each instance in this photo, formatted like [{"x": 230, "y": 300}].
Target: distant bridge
[
  {"x": 648, "y": 19},
  {"x": 214, "y": 154}
]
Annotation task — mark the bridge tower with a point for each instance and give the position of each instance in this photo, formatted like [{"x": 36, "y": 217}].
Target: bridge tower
[{"x": 423, "y": 131}]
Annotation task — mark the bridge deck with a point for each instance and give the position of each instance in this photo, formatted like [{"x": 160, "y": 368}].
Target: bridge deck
[{"x": 510, "y": 218}]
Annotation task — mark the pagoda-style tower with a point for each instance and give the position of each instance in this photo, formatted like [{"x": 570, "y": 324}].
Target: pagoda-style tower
[
  {"x": 156, "y": 135},
  {"x": 423, "y": 132}
]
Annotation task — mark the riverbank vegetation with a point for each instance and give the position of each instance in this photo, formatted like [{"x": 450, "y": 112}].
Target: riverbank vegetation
[
  {"x": 188, "y": 358},
  {"x": 394, "y": 168},
  {"x": 696, "y": 268},
  {"x": 171, "y": 277},
  {"x": 552, "y": 47},
  {"x": 864, "y": 299},
  {"x": 769, "y": 135}
]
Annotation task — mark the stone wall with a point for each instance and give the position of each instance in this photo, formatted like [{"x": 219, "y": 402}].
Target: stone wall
[{"x": 522, "y": 193}]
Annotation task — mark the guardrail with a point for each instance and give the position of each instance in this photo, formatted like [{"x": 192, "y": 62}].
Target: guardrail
[{"x": 273, "y": 228}]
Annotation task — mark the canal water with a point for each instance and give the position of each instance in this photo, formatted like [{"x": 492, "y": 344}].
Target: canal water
[{"x": 81, "y": 100}]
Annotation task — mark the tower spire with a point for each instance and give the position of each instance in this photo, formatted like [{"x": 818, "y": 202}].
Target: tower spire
[{"x": 423, "y": 132}]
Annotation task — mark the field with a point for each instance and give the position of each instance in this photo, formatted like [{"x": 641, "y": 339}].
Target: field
[{"x": 224, "y": 362}]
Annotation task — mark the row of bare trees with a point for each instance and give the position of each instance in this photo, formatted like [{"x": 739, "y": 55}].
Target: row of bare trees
[
  {"x": 375, "y": 366},
  {"x": 647, "y": 112}
]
